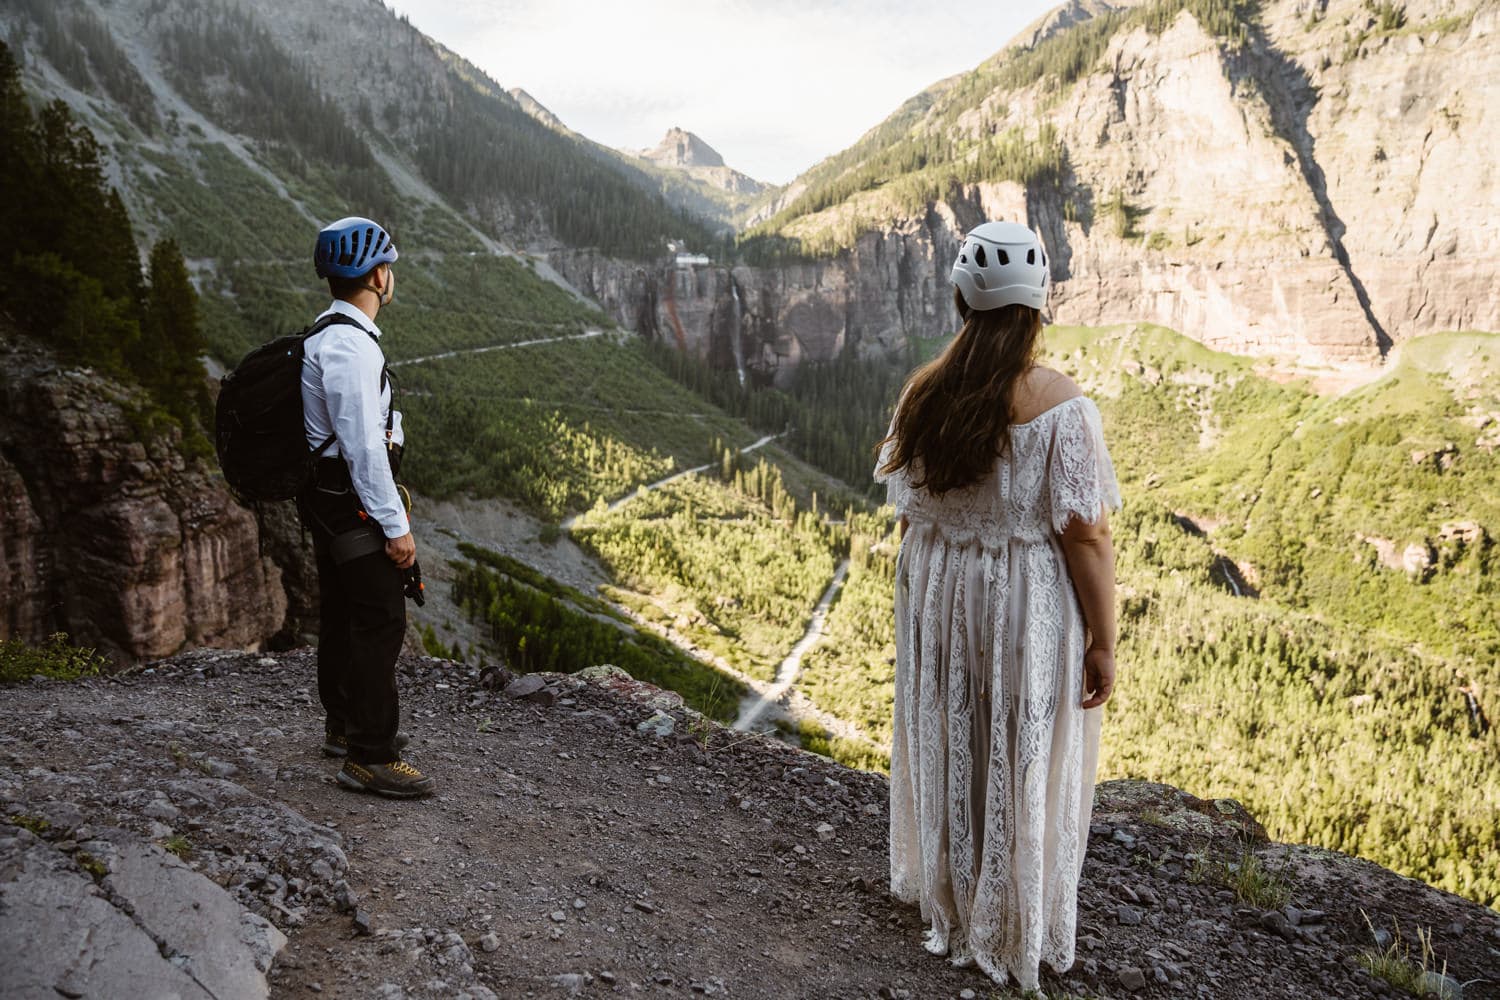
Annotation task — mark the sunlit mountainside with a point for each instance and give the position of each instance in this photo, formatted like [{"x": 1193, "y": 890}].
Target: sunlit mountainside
[{"x": 1308, "y": 577}]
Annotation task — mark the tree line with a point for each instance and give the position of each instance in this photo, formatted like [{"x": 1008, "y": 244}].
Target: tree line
[{"x": 73, "y": 279}]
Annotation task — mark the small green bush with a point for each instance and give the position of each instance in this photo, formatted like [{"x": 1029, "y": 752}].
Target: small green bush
[{"x": 55, "y": 658}]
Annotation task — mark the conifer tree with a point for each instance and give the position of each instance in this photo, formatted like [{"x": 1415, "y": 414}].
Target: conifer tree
[{"x": 167, "y": 357}]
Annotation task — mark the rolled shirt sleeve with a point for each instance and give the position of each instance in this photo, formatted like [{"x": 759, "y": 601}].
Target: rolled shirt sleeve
[{"x": 352, "y": 364}]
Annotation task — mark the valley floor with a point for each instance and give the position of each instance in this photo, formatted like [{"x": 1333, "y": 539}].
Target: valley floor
[{"x": 568, "y": 852}]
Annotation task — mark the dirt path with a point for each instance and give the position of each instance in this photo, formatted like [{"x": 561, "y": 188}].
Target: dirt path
[
  {"x": 569, "y": 522},
  {"x": 587, "y": 335},
  {"x": 754, "y": 707}
]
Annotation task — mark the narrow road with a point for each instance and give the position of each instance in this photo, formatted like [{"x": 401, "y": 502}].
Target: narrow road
[
  {"x": 571, "y": 520},
  {"x": 754, "y": 706},
  {"x": 497, "y": 347}
]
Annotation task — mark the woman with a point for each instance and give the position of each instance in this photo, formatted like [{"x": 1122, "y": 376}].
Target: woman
[{"x": 1005, "y": 628}]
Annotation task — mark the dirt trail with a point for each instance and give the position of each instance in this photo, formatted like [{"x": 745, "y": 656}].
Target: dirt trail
[
  {"x": 587, "y": 335},
  {"x": 569, "y": 522}
]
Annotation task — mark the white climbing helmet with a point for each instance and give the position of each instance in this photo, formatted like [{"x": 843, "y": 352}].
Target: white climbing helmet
[{"x": 1001, "y": 264}]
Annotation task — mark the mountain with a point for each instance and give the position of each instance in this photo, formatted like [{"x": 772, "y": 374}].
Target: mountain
[
  {"x": 680, "y": 148},
  {"x": 340, "y": 103},
  {"x": 686, "y": 171},
  {"x": 685, "y": 151},
  {"x": 1272, "y": 178}
]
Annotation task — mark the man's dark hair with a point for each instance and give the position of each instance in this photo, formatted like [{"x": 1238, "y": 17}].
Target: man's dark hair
[{"x": 345, "y": 288}]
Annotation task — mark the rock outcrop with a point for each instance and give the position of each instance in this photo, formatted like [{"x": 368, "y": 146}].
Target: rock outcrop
[
  {"x": 108, "y": 533},
  {"x": 599, "y": 840}
]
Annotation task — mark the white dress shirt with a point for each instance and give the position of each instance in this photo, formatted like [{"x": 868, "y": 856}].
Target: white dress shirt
[{"x": 342, "y": 395}]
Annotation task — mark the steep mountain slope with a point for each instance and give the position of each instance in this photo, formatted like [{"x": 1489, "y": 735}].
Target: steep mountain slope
[
  {"x": 1145, "y": 139},
  {"x": 343, "y": 96}
]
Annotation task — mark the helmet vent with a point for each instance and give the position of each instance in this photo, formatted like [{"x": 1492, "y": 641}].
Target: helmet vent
[
  {"x": 979, "y": 257},
  {"x": 1004, "y": 257},
  {"x": 1031, "y": 256},
  {"x": 980, "y": 283},
  {"x": 962, "y": 259}
]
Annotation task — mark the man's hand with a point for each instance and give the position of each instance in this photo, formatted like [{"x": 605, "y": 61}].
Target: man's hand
[
  {"x": 1098, "y": 676},
  {"x": 402, "y": 551}
]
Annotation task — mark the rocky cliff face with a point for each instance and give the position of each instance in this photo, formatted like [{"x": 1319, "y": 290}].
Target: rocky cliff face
[
  {"x": 893, "y": 284},
  {"x": 1314, "y": 195},
  {"x": 108, "y": 533}
]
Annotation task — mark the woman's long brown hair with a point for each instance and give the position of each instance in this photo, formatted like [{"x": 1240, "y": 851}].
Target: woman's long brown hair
[{"x": 953, "y": 420}]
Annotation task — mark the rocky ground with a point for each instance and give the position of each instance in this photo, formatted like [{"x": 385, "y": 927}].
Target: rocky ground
[{"x": 177, "y": 832}]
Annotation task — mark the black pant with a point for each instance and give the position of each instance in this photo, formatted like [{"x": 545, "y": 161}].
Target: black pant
[{"x": 361, "y": 628}]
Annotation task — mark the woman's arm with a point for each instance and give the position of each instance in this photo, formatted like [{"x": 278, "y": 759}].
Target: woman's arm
[{"x": 1090, "y": 553}]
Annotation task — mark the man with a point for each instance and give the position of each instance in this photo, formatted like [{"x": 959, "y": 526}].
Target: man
[{"x": 361, "y": 534}]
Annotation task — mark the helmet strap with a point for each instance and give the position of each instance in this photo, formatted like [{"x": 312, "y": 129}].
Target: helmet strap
[{"x": 383, "y": 296}]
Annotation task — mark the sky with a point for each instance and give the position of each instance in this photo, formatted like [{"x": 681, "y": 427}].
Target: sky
[{"x": 773, "y": 85}]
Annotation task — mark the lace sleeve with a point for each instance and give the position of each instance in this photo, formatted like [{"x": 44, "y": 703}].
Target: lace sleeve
[
  {"x": 897, "y": 485},
  {"x": 1080, "y": 476}
]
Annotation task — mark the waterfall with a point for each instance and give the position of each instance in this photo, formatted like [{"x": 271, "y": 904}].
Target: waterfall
[{"x": 734, "y": 330}]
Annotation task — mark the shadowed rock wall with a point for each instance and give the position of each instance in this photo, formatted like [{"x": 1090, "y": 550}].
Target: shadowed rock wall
[{"x": 108, "y": 533}]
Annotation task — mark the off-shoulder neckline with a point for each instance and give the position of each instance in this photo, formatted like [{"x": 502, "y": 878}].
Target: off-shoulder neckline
[{"x": 1050, "y": 410}]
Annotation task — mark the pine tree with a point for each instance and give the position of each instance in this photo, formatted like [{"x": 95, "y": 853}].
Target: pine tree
[{"x": 166, "y": 359}]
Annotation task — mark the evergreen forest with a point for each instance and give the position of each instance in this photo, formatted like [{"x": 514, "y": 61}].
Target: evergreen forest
[{"x": 73, "y": 277}]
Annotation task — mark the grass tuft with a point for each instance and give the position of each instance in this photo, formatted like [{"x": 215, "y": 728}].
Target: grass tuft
[
  {"x": 1248, "y": 877},
  {"x": 1394, "y": 963},
  {"x": 179, "y": 845},
  {"x": 91, "y": 864},
  {"x": 35, "y": 824}
]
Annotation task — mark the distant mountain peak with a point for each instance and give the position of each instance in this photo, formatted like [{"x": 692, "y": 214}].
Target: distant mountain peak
[{"x": 681, "y": 148}]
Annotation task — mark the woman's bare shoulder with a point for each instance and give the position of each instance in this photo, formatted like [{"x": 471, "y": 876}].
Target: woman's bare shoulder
[{"x": 1039, "y": 390}]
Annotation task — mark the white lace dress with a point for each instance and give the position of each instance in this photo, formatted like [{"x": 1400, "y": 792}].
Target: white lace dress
[{"x": 992, "y": 757}]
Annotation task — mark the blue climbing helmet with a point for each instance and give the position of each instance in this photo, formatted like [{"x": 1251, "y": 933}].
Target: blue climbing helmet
[{"x": 352, "y": 247}]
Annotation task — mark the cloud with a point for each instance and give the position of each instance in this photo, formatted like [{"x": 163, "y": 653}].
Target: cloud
[{"x": 774, "y": 85}]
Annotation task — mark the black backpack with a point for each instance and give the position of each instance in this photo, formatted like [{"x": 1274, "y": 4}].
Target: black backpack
[{"x": 258, "y": 426}]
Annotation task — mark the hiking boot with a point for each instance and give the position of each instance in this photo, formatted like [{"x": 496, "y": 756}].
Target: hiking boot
[
  {"x": 338, "y": 746},
  {"x": 396, "y": 780}
]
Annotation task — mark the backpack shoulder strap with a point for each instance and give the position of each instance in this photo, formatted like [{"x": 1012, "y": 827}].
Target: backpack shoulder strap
[
  {"x": 339, "y": 318},
  {"x": 333, "y": 319}
]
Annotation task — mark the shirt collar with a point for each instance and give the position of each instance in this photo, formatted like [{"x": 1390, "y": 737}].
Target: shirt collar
[{"x": 354, "y": 313}]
